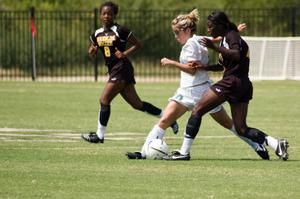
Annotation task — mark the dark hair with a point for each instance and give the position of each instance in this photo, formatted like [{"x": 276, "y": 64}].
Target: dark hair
[
  {"x": 220, "y": 18},
  {"x": 111, "y": 4}
]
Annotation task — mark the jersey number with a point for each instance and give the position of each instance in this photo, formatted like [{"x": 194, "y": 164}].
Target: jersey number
[{"x": 107, "y": 51}]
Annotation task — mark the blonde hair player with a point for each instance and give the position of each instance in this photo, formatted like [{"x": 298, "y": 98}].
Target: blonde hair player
[{"x": 193, "y": 84}]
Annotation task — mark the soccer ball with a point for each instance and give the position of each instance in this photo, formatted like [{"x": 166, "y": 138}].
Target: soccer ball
[{"x": 157, "y": 149}]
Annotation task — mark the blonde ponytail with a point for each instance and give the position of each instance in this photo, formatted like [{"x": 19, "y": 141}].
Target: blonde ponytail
[{"x": 184, "y": 21}]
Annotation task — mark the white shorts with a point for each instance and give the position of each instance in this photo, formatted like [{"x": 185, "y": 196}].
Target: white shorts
[{"x": 190, "y": 96}]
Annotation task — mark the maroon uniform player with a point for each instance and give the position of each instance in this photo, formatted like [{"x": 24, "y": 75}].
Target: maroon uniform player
[
  {"x": 235, "y": 87},
  {"x": 111, "y": 39}
]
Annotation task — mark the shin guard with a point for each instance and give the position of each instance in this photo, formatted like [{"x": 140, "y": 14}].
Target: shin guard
[{"x": 192, "y": 127}]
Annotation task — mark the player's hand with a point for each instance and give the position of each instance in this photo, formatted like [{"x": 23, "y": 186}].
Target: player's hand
[
  {"x": 93, "y": 51},
  {"x": 207, "y": 43},
  {"x": 196, "y": 64},
  {"x": 119, "y": 54},
  {"x": 241, "y": 27},
  {"x": 165, "y": 61}
]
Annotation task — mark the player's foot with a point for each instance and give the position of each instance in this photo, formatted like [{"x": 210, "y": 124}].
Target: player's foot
[
  {"x": 176, "y": 155},
  {"x": 281, "y": 150},
  {"x": 262, "y": 152},
  {"x": 134, "y": 155},
  {"x": 92, "y": 137},
  {"x": 175, "y": 127}
]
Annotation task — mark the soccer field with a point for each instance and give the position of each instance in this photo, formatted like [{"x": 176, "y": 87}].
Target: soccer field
[{"x": 42, "y": 155}]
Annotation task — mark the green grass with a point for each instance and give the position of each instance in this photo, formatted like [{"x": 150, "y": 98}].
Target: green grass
[{"x": 48, "y": 166}]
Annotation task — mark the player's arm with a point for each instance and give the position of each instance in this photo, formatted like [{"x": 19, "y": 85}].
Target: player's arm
[
  {"x": 136, "y": 44},
  {"x": 228, "y": 53},
  {"x": 93, "y": 49},
  {"x": 241, "y": 28},
  {"x": 183, "y": 67}
]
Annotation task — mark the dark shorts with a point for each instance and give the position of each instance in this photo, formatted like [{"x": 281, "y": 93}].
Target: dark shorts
[
  {"x": 234, "y": 89},
  {"x": 122, "y": 72}
]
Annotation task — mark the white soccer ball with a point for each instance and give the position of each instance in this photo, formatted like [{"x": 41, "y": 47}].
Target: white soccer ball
[{"x": 157, "y": 149}]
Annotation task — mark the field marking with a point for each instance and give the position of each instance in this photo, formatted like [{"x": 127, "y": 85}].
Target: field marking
[{"x": 48, "y": 135}]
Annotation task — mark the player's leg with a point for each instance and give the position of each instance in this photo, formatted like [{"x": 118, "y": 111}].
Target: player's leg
[
  {"x": 130, "y": 95},
  {"x": 239, "y": 114},
  {"x": 110, "y": 91},
  {"x": 172, "y": 112},
  {"x": 224, "y": 120},
  {"x": 208, "y": 101}
]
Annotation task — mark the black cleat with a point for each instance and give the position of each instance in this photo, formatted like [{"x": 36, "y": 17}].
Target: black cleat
[
  {"x": 134, "y": 155},
  {"x": 92, "y": 137},
  {"x": 281, "y": 150},
  {"x": 175, "y": 127},
  {"x": 176, "y": 155},
  {"x": 262, "y": 152}
]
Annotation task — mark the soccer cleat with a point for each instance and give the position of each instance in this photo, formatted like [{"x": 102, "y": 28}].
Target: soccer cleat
[
  {"x": 175, "y": 127},
  {"x": 134, "y": 155},
  {"x": 262, "y": 152},
  {"x": 176, "y": 155},
  {"x": 92, "y": 137},
  {"x": 281, "y": 150}
]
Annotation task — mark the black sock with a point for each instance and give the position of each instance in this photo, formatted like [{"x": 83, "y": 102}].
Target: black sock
[
  {"x": 104, "y": 114},
  {"x": 192, "y": 126},
  {"x": 149, "y": 108},
  {"x": 255, "y": 135}
]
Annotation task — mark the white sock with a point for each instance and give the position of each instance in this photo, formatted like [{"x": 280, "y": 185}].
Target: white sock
[
  {"x": 186, "y": 146},
  {"x": 101, "y": 131},
  {"x": 272, "y": 142},
  {"x": 155, "y": 133},
  {"x": 254, "y": 145}
]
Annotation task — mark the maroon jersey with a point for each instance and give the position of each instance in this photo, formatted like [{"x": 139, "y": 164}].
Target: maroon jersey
[
  {"x": 232, "y": 40},
  {"x": 108, "y": 40}
]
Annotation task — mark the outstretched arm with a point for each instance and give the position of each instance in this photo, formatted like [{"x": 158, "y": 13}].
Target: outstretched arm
[{"x": 183, "y": 67}]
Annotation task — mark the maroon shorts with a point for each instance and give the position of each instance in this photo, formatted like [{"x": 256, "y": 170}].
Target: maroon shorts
[
  {"x": 234, "y": 89},
  {"x": 122, "y": 72}
]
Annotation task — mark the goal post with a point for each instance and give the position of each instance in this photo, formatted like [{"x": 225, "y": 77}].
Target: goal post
[{"x": 274, "y": 58}]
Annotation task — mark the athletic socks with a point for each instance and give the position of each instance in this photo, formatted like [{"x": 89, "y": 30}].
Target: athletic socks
[
  {"x": 271, "y": 142},
  {"x": 103, "y": 117},
  {"x": 254, "y": 145},
  {"x": 153, "y": 110},
  {"x": 155, "y": 133},
  {"x": 101, "y": 131},
  {"x": 186, "y": 145}
]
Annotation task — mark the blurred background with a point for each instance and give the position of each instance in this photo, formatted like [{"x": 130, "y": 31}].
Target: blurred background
[{"x": 48, "y": 40}]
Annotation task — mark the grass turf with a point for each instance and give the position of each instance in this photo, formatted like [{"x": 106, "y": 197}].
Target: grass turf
[{"x": 44, "y": 165}]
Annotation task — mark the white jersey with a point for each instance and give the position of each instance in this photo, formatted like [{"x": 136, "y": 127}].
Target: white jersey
[{"x": 193, "y": 51}]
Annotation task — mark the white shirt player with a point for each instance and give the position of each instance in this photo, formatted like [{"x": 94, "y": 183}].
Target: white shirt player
[{"x": 193, "y": 51}]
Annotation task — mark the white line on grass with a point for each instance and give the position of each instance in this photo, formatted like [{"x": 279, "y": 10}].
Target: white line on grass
[{"x": 20, "y": 135}]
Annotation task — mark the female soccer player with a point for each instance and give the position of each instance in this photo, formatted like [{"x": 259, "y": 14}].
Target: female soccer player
[
  {"x": 235, "y": 87},
  {"x": 192, "y": 86},
  {"x": 111, "y": 39}
]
